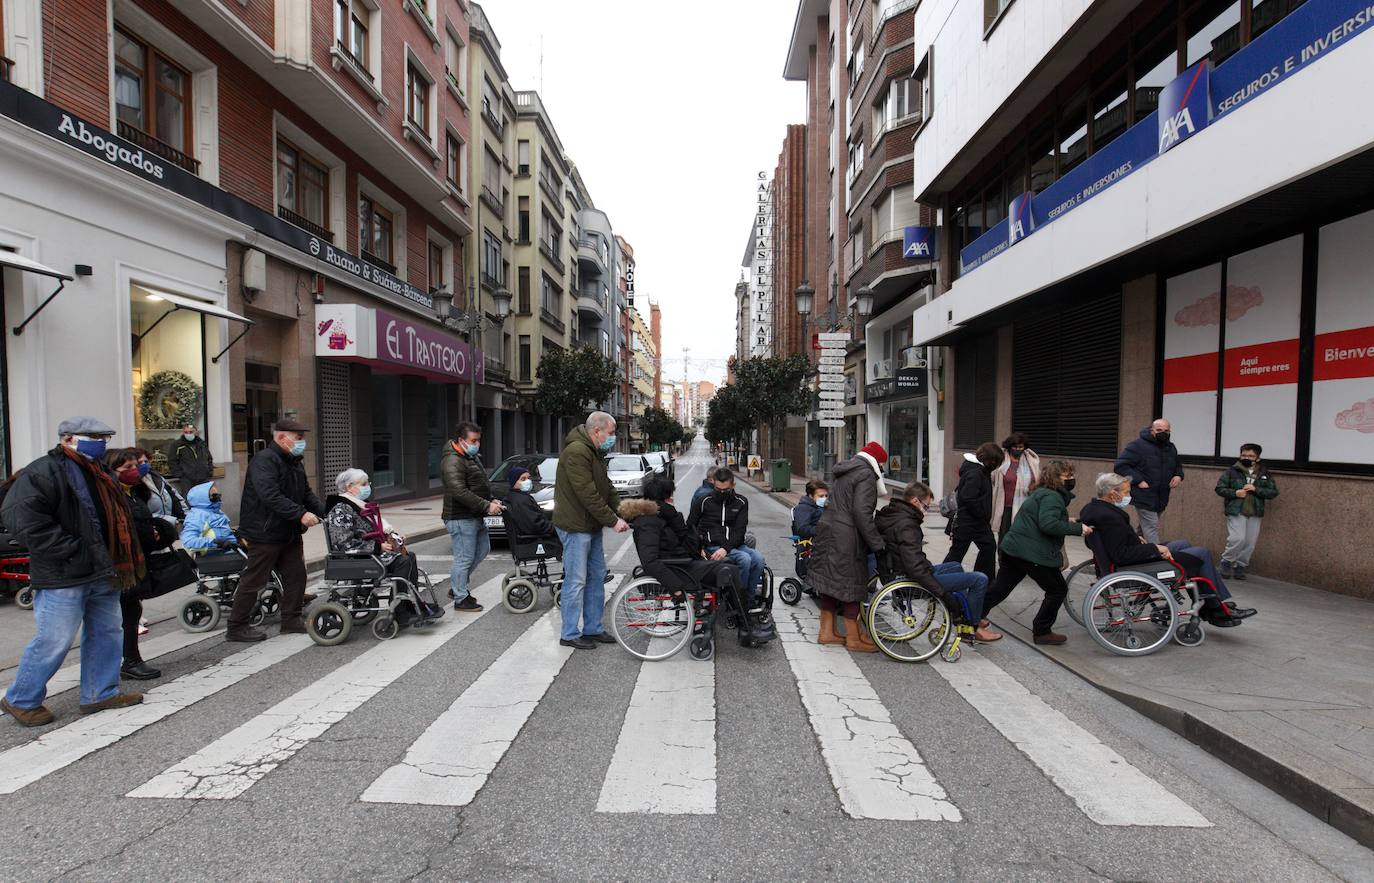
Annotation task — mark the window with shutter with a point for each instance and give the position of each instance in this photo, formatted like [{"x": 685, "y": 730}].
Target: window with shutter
[{"x": 975, "y": 391}]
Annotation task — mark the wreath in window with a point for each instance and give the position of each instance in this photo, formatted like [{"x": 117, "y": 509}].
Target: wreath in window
[{"x": 169, "y": 400}]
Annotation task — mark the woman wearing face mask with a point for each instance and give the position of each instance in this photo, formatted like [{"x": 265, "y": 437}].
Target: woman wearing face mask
[
  {"x": 524, "y": 510},
  {"x": 153, "y": 534},
  {"x": 1034, "y": 547},
  {"x": 1013, "y": 481},
  {"x": 973, "y": 520},
  {"x": 166, "y": 501},
  {"x": 354, "y": 526},
  {"x": 845, "y": 541}
]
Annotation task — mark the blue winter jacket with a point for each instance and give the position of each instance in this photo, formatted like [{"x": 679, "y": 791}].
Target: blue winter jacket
[
  {"x": 805, "y": 517},
  {"x": 205, "y": 523},
  {"x": 1145, "y": 459}
]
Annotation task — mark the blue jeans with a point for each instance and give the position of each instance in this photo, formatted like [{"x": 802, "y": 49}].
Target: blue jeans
[
  {"x": 973, "y": 586},
  {"x": 750, "y": 563},
  {"x": 584, "y": 584},
  {"x": 471, "y": 544},
  {"x": 58, "y": 614}
]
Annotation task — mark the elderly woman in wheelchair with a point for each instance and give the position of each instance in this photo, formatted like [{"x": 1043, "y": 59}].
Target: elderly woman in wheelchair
[{"x": 674, "y": 603}]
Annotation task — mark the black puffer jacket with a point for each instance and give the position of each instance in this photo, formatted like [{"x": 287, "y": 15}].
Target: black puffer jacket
[
  {"x": 467, "y": 493},
  {"x": 900, "y": 524},
  {"x": 974, "y": 493},
  {"x": 43, "y": 511},
  {"x": 276, "y": 494},
  {"x": 524, "y": 512},
  {"x": 1112, "y": 527},
  {"x": 661, "y": 535},
  {"x": 722, "y": 519}
]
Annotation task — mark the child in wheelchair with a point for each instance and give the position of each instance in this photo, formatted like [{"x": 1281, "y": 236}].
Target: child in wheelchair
[
  {"x": 900, "y": 524},
  {"x": 661, "y": 535}
]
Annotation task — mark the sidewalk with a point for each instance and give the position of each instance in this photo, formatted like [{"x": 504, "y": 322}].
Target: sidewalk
[{"x": 1287, "y": 698}]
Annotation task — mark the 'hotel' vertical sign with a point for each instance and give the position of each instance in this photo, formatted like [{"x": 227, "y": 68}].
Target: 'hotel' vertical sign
[{"x": 761, "y": 270}]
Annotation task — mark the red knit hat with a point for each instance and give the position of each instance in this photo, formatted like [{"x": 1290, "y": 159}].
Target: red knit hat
[{"x": 875, "y": 450}]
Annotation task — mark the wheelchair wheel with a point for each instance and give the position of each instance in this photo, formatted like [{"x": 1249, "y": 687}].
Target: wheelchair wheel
[
  {"x": 1080, "y": 579},
  {"x": 790, "y": 591},
  {"x": 385, "y": 628},
  {"x": 648, "y": 623},
  {"x": 557, "y": 593},
  {"x": 24, "y": 598},
  {"x": 519, "y": 596},
  {"x": 257, "y": 616},
  {"x": 901, "y": 613},
  {"x": 199, "y": 614},
  {"x": 1190, "y": 633},
  {"x": 703, "y": 647},
  {"x": 270, "y": 596},
  {"x": 1130, "y": 614},
  {"x": 328, "y": 623}
]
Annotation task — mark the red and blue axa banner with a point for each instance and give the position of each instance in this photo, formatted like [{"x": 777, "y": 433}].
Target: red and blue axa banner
[
  {"x": 1195, "y": 99},
  {"x": 918, "y": 243}
]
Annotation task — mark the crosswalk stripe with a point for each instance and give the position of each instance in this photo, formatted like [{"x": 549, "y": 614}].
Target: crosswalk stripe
[
  {"x": 451, "y": 760},
  {"x": 1108, "y": 789},
  {"x": 232, "y": 764},
  {"x": 877, "y": 772},
  {"x": 52, "y": 751},
  {"x": 665, "y": 758}
]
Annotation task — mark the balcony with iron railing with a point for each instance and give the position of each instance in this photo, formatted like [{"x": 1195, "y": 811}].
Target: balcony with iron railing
[
  {"x": 489, "y": 281},
  {"x": 552, "y": 188},
  {"x": 493, "y": 201},
  {"x": 495, "y": 370},
  {"x": 305, "y": 223},
  {"x": 552, "y": 251},
  {"x": 159, "y": 148},
  {"x": 354, "y": 61},
  {"x": 589, "y": 251},
  {"x": 378, "y": 262},
  {"x": 552, "y": 320}
]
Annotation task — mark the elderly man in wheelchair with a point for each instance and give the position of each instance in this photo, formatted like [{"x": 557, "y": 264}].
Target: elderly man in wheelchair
[{"x": 672, "y": 557}]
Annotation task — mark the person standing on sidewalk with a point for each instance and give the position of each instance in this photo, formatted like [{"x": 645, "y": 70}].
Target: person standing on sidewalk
[
  {"x": 584, "y": 504},
  {"x": 1151, "y": 463},
  {"x": 189, "y": 460},
  {"x": 467, "y": 503},
  {"x": 1245, "y": 487},
  {"x": 973, "y": 518},
  {"x": 1013, "y": 481},
  {"x": 69, "y": 513},
  {"x": 278, "y": 508},
  {"x": 845, "y": 538}
]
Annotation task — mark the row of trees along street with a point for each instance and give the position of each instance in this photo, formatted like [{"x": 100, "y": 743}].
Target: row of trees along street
[
  {"x": 765, "y": 392},
  {"x": 572, "y": 383}
]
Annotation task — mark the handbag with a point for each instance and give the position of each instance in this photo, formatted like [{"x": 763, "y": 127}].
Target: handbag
[{"x": 167, "y": 572}]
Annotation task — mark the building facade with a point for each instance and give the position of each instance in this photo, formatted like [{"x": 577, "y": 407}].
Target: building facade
[{"x": 1161, "y": 208}]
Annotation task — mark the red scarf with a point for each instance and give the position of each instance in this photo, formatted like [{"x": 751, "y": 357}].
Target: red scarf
[{"x": 125, "y": 552}]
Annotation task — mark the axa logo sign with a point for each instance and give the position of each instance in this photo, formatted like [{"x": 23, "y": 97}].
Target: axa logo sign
[
  {"x": 918, "y": 243},
  {"x": 1019, "y": 218},
  {"x": 1184, "y": 105}
]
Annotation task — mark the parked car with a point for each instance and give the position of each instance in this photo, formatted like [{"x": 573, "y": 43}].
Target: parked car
[
  {"x": 543, "y": 470},
  {"x": 628, "y": 473},
  {"x": 662, "y": 462}
]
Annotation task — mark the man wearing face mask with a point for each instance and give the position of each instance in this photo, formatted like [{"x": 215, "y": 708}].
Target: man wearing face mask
[
  {"x": 721, "y": 520},
  {"x": 188, "y": 458},
  {"x": 585, "y": 504},
  {"x": 1245, "y": 487},
  {"x": 1151, "y": 463},
  {"x": 467, "y": 503},
  {"x": 278, "y": 508},
  {"x": 73, "y": 518}
]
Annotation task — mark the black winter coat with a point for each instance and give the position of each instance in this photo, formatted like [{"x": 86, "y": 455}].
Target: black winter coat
[
  {"x": 1145, "y": 459},
  {"x": 43, "y": 511},
  {"x": 1112, "y": 527},
  {"x": 661, "y": 535},
  {"x": 276, "y": 494},
  {"x": 900, "y": 523},
  {"x": 721, "y": 520},
  {"x": 973, "y": 494},
  {"x": 806, "y": 517},
  {"x": 190, "y": 461},
  {"x": 524, "y": 512}
]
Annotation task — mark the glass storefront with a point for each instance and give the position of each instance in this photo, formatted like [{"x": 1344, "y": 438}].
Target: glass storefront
[
  {"x": 387, "y": 425},
  {"x": 907, "y": 448},
  {"x": 437, "y": 431},
  {"x": 168, "y": 348}
]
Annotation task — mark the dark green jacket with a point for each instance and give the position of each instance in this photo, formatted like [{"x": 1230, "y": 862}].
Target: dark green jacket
[
  {"x": 1037, "y": 534},
  {"x": 466, "y": 492},
  {"x": 583, "y": 499},
  {"x": 1237, "y": 477}
]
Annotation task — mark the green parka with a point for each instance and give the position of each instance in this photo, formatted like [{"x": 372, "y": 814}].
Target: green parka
[
  {"x": 1037, "y": 534},
  {"x": 583, "y": 499},
  {"x": 1237, "y": 477}
]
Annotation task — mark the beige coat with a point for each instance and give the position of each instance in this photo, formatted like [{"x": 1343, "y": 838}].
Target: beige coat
[{"x": 1027, "y": 479}]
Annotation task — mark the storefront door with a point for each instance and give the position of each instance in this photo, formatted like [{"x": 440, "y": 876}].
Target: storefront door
[{"x": 263, "y": 386}]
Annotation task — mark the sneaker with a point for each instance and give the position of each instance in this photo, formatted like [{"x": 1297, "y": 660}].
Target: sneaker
[
  {"x": 27, "y": 717},
  {"x": 1240, "y": 573},
  {"x": 118, "y": 700},
  {"x": 582, "y": 643},
  {"x": 1226, "y": 570},
  {"x": 467, "y": 605}
]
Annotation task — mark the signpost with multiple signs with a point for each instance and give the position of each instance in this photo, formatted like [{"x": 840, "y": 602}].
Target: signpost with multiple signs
[{"x": 831, "y": 409}]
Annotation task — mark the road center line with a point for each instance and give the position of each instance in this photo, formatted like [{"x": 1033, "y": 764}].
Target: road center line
[
  {"x": 877, "y": 772},
  {"x": 665, "y": 758},
  {"x": 54, "y": 750},
  {"x": 232, "y": 764},
  {"x": 1104, "y": 785}
]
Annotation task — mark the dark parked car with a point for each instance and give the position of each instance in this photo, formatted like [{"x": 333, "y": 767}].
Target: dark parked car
[
  {"x": 543, "y": 470},
  {"x": 663, "y": 464}
]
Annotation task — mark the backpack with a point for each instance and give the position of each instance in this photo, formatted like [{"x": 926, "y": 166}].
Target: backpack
[{"x": 949, "y": 505}]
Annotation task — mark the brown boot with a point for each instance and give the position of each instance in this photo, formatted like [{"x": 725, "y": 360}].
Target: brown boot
[
  {"x": 856, "y": 638},
  {"x": 828, "y": 635}
]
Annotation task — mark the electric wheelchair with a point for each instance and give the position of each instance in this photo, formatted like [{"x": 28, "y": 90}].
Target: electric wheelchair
[
  {"x": 217, "y": 578},
  {"x": 14, "y": 570},
  {"x": 791, "y": 589},
  {"x": 358, "y": 590}
]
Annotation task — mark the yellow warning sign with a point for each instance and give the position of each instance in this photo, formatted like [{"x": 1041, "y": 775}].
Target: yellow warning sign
[{"x": 755, "y": 462}]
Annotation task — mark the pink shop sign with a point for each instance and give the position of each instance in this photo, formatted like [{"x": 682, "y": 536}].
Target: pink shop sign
[{"x": 423, "y": 350}]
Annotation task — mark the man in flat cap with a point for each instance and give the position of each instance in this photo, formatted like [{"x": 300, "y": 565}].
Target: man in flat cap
[
  {"x": 278, "y": 507},
  {"x": 83, "y": 552}
]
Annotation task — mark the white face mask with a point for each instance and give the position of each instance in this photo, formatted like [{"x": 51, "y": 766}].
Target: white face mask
[{"x": 526, "y": 485}]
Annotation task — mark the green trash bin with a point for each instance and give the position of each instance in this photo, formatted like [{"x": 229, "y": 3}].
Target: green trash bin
[{"x": 782, "y": 475}]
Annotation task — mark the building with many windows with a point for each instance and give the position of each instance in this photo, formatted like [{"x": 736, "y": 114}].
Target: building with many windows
[{"x": 1161, "y": 208}]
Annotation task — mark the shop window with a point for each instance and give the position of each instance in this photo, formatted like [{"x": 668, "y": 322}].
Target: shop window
[
  {"x": 4, "y": 379},
  {"x": 906, "y": 441},
  {"x": 975, "y": 391},
  {"x": 168, "y": 359},
  {"x": 387, "y": 444},
  {"x": 153, "y": 100},
  {"x": 1213, "y": 31},
  {"x": 436, "y": 428},
  {"x": 1342, "y": 428},
  {"x": 302, "y": 189},
  {"x": 1066, "y": 378},
  {"x": 1192, "y": 329}
]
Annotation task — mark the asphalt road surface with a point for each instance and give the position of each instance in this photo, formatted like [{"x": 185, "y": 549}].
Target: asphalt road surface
[{"x": 482, "y": 750}]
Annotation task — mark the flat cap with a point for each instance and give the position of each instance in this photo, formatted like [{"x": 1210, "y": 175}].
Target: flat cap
[
  {"x": 287, "y": 424},
  {"x": 82, "y": 426}
]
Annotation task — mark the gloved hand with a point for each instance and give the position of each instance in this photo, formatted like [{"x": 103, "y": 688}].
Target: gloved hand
[{"x": 225, "y": 543}]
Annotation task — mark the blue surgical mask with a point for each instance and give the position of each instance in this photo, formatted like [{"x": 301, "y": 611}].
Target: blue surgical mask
[
  {"x": 144, "y": 469},
  {"x": 526, "y": 485},
  {"x": 821, "y": 501},
  {"x": 298, "y": 448},
  {"x": 608, "y": 443},
  {"x": 364, "y": 492},
  {"x": 90, "y": 448},
  {"x": 472, "y": 450},
  {"x": 1123, "y": 502}
]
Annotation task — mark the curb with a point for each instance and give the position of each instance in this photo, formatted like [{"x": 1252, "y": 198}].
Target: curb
[{"x": 1242, "y": 752}]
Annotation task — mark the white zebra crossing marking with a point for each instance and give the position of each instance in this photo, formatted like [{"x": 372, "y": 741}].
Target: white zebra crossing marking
[
  {"x": 665, "y": 758},
  {"x": 452, "y": 759},
  {"x": 232, "y": 764},
  {"x": 877, "y": 772},
  {"x": 1104, "y": 785},
  {"x": 52, "y": 751}
]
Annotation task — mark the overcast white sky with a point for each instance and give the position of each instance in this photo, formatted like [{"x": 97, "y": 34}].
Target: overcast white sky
[{"x": 669, "y": 111}]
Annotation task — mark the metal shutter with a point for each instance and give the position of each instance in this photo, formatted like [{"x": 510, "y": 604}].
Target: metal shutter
[
  {"x": 975, "y": 391},
  {"x": 336, "y": 417}
]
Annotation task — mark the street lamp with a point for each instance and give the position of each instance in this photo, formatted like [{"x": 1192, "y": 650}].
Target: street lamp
[
  {"x": 806, "y": 297},
  {"x": 863, "y": 302},
  {"x": 471, "y": 322}
]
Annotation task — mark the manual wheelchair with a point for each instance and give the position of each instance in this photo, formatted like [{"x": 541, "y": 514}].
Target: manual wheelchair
[
  {"x": 1133, "y": 610},
  {"x": 909, "y": 623},
  {"x": 520, "y": 589},
  {"x": 358, "y": 590},
  {"x": 791, "y": 589},
  {"x": 653, "y": 622},
  {"x": 217, "y": 578},
  {"x": 14, "y": 570}
]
